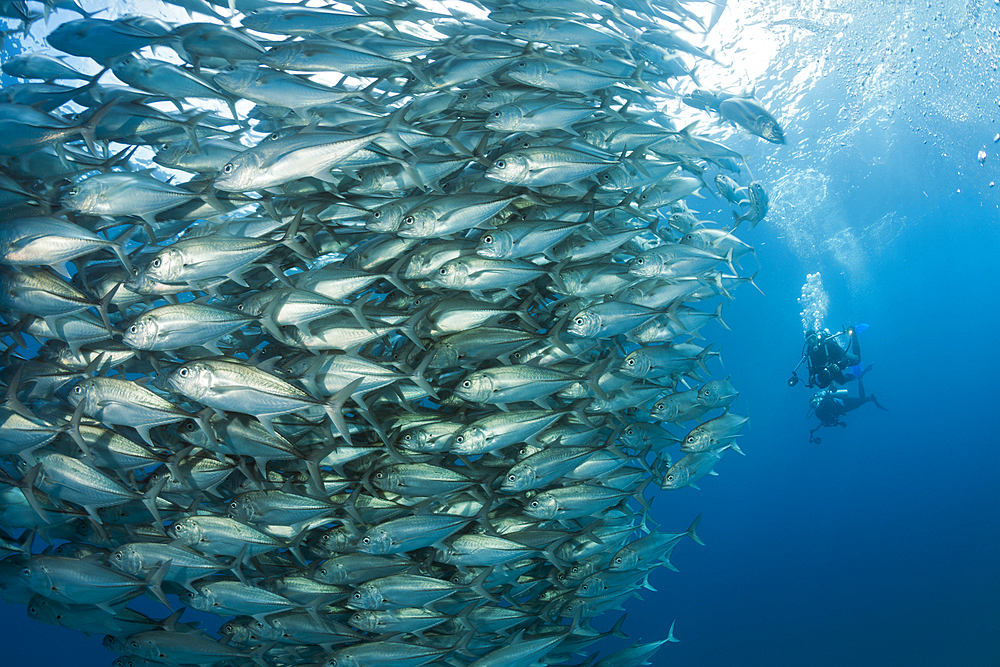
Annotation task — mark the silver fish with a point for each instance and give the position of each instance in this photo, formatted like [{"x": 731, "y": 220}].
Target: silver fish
[{"x": 421, "y": 224}]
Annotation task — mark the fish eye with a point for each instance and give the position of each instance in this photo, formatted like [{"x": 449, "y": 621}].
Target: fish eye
[
  {"x": 183, "y": 372},
  {"x": 500, "y": 164},
  {"x": 466, "y": 384},
  {"x": 689, "y": 439},
  {"x": 189, "y": 426},
  {"x": 497, "y": 114},
  {"x": 73, "y": 191},
  {"x": 156, "y": 263},
  {"x": 443, "y": 271},
  {"x": 77, "y": 389},
  {"x": 460, "y": 439},
  {"x": 133, "y": 329},
  {"x": 578, "y": 320},
  {"x": 366, "y": 541},
  {"x": 639, "y": 261},
  {"x": 323, "y": 571},
  {"x": 231, "y": 68},
  {"x": 272, "y": 137},
  {"x": 670, "y": 478},
  {"x": 228, "y": 169},
  {"x": 534, "y": 503},
  {"x": 630, "y": 362},
  {"x": 376, "y": 215},
  {"x": 521, "y": 63},
  {"x": 379, "y": 475},
  {"x": 488, "y": 238},
  {"x": 357, "y": 596},
  {"x": 511, "y": 478},
  {"x": 408, "y": 220},
  {"x": 233, "y": 505}
]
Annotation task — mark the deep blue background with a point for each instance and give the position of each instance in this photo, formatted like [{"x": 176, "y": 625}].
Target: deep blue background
[{"x": 881, "y": 545}]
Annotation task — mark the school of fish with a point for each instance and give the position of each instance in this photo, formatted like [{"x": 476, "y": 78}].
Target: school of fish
[{"x": 379, "y": 360}]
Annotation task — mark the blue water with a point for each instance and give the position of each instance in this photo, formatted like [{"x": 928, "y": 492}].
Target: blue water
[{"x": 880, "y": 546}]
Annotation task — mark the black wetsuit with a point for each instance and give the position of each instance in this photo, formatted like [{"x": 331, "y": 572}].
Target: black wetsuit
[
  {"x": 832, "y": 407},
  {"x": 827, "y": 361}
]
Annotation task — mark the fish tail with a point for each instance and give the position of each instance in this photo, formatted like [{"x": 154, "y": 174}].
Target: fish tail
[
  {"x": 691, "y": 530},
  {"x": 154, "y": 582},
  {"x": 335, "y": 408},
  {"x": 478, "y": 584}
]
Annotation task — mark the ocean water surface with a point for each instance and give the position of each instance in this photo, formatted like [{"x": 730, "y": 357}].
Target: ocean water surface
[{"x": 879, "y": 546}]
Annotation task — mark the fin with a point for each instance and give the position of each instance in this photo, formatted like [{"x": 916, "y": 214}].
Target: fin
[
  {"x": 335, "y": 406},
  {"x": 691, "y": 529},
  {"x": 27, "y": 488},
  {"x": 154, "y": 581},
  {"x": 670, "y": 634}
]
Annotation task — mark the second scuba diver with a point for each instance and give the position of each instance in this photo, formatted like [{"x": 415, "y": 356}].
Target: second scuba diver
[{"x": 830, "y": 405}]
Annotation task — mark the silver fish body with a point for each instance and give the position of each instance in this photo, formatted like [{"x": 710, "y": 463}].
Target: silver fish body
[{"x": 122, "y": 402}]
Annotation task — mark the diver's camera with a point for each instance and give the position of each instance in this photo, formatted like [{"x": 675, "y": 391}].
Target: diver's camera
[{"x": 792, "y": 381}]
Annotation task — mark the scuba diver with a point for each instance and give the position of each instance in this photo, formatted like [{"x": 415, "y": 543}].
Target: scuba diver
[
  {"x": 827, "y": 361},
  {"x": 830, "y": 405}
]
